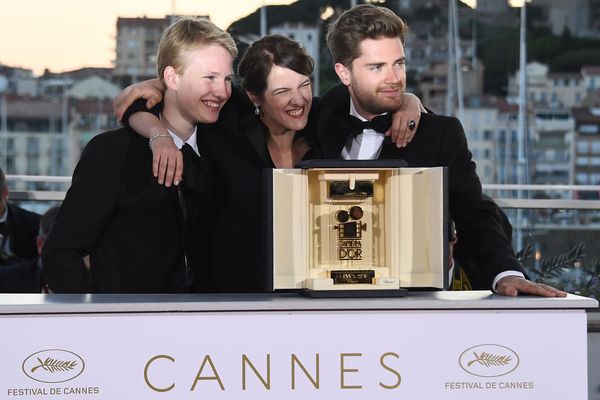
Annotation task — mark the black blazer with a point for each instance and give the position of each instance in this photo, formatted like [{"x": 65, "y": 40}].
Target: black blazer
[
  {"x": 439, "y": 141},
  {"x": 116, "y": 212},
  {"x": 23, "y": 227},
  {"x": 25, "y": 277}
]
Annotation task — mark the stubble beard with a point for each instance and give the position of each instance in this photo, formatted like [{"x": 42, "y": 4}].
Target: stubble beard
[{"x": 373, "y": 103}]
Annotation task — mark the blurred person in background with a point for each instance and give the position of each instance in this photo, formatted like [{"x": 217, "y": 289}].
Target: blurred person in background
[
  {"x": 26, "y": 277},
  {"x": 18, "y": 229}
]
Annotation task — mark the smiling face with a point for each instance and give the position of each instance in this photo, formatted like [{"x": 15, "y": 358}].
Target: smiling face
[
  {"x": 286, "y": 101},
  {"x": 204, "y": 85},
  {"x": 377, "y": 79}
]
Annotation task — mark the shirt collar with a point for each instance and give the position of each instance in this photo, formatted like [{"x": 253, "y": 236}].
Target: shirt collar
[{"x": 191, "y": 141}]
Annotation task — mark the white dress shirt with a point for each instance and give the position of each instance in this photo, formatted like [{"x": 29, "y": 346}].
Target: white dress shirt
[
  {"x": 191, "y": 141},
  {"x": 364, "y": 146}
]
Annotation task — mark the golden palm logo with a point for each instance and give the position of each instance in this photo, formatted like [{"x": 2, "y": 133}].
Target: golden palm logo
[
  {"x": 490, "y": 360},
  {"x": 52, "y": 365}
]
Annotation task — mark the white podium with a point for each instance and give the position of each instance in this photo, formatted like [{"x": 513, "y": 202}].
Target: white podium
[{"x": 428, "y": 345}]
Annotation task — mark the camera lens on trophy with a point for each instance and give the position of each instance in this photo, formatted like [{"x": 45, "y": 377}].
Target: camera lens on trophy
[
  {"x": 342, "y": 216},
  {"x": 356, "y": 212}
]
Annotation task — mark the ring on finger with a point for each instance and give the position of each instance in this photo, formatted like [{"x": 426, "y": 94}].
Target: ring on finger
[{"x": 412, "y": 125}]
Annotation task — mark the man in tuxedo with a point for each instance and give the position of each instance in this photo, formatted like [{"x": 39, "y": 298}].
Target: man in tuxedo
[
  {"x": 18, "y": 229},
  {"x": 142, "y": 237},
  {"x": 367, "y": 45},
  {"x": 26, "y": 277}
]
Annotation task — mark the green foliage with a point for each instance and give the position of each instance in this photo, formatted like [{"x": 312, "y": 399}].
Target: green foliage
[
  {"x": 498, "y": 48},
  {"x": 571, "y": 61},
  {"x": 569, "y": 271}
]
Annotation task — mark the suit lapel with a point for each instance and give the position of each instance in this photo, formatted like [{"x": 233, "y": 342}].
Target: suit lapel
[
  {"x": 256, "y": 137},
  {"x": 332, "y": 107}
]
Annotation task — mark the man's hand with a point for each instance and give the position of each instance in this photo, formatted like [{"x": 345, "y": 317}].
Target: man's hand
[
  {"x": 152, "y": 90},
  {"x": 405, "y": 120},
  {"x": 514, "y": 285},
  {"x": 167, "y": 161}
]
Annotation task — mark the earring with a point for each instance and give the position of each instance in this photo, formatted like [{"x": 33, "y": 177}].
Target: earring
[{"x": 256, "y": 109}]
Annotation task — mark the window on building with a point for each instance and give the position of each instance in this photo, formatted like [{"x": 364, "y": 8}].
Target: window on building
[
  {"x": 582, "y": 161},
  {"x": 10, "y": 145},
  {"x": 501, "y": 135},
  {"x": 32, "y": 165},
  {"x": 582, "y": 178},
  {"x": 583, "y": 146},
  {"x": 11, "y": 165},
  {"x": 487, "y": 134},
  {"x": 33, "y": 146},
  {"x": 588, "y": 129}
]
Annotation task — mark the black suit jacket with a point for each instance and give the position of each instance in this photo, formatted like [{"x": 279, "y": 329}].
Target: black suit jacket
[
  {"x": 439, "y": 141},
  {"x": 23, "y": 227},
  {"x": 25, "y": 277},
  {"x": 116, "y": 212}
]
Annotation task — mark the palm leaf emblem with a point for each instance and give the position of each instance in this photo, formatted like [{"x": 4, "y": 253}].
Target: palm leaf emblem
[
  {"x": 490, "y": 360},
  {"x": 51, "y": 365}
]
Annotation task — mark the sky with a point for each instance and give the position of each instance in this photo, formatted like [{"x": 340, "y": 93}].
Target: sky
[{"x": 63, "y": 35}]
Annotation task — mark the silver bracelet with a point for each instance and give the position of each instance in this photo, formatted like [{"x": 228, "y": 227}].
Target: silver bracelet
[{"x": 159, "y": 135}]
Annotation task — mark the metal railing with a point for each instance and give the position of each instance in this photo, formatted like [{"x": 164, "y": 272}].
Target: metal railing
[{"x": 501, "y": 199}]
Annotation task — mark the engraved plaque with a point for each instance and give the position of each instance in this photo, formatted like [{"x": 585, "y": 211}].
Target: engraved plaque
[{"x": 352, "y": 276}]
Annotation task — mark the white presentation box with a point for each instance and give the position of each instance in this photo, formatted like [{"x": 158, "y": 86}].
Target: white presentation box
[{"x": 358, "y": 226}]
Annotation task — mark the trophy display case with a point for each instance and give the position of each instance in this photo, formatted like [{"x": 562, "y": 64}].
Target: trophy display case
[{"x": 357, "y": 226}]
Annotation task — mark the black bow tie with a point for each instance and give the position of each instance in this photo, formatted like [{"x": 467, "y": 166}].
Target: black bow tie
[{"x": 380, "y": 124}]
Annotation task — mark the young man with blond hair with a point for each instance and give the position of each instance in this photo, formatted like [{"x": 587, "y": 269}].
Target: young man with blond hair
[{"x": 137, "y": 232}]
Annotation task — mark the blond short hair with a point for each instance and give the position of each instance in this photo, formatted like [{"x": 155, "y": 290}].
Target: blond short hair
[{"x": 185, "y": 34}]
